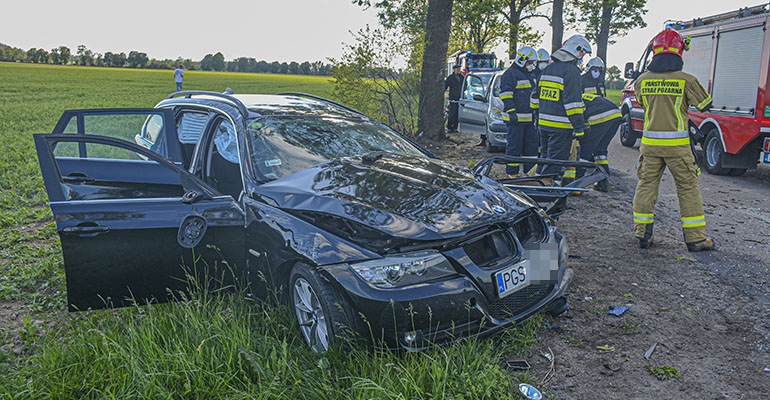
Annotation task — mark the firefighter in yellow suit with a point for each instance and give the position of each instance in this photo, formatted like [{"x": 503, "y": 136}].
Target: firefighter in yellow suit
[{"x": 666, "y": 92}]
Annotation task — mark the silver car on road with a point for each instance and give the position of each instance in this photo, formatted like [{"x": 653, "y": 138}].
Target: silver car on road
[{"x": 481, "y": 110}]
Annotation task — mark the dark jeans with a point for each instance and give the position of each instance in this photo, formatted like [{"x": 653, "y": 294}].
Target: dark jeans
[
  {"x": 451, "y": 124},
  {"x": 523, "y": 141}
]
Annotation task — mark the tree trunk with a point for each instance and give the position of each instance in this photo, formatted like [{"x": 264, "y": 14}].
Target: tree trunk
[
  {"x": 513, "y": 28},
  {"x": 557, "y": 25},
  {"x": 430, "y": 119},
  {"x": 604, "y": 31}
]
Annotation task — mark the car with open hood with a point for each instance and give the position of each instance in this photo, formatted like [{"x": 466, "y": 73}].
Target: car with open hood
[{"x": 365, "y": 233}]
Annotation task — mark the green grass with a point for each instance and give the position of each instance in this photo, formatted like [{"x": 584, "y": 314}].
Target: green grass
[
  {"x": 614, "y": 96},
  {"x": 205, "y": 346}
]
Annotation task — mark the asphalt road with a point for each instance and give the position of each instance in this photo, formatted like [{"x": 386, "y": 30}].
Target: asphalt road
[{"x": 737, "y": 217}]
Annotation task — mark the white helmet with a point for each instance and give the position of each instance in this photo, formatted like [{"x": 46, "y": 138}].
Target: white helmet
[
  {"x": 595, "y": 62},
  {"x": 542, "y": 55},
  {"x": 525, "y": 54},
  {"x": 575, "y": 45}
]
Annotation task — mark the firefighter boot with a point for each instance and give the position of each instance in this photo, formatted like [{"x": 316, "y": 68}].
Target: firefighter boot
[
  {"x": 603, "y": 185},
  {"x": 646, "y": 241},
  {"x": 703, "y": 245}
]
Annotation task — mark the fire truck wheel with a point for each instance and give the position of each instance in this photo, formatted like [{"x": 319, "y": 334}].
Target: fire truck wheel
[
  {"x": 627, "y": 135},
  {"x": 714, "y": 153}
]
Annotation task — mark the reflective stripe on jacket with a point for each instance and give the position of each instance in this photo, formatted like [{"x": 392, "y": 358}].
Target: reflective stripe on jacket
[
  {"x": 599, "y": 109},
  {"x": 666, "y": 97},
  {"x": 558, "y": 98},
  {"x": 515, "y": 90}
]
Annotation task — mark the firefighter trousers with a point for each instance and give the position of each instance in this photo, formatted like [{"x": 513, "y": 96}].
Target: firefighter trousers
[
  {"x": 559, "y": 147},
  {"x": 681, "y": 163},
  {"x": 522, "y": 141},
  {"x": 594, "y": 144}
]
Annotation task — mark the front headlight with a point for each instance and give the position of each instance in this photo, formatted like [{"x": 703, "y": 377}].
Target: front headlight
[
  {"x": 404, "y": 269},
  {"x": 496, "y": 113}
]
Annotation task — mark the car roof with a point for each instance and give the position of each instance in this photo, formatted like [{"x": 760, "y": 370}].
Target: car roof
[{"x": 284, "y": 104}]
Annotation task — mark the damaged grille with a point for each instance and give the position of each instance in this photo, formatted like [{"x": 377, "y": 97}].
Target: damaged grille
[
  {"x": 493, "y": 248},
  {"x": 518, "y": 302},
  {"x": 529, "y": 228}
]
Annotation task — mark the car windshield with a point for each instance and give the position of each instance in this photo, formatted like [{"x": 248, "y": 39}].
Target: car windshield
[{"x": 282, "y": 145}]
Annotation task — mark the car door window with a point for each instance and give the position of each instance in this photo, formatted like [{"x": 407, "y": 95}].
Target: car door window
[
  {"x": 473, "y": 85},
  {"x": 190, "y": 125},
  {"x": 145, "y": 127},
  {"x": 94, "y": 170},
  {"x": 224, "y": 171}
]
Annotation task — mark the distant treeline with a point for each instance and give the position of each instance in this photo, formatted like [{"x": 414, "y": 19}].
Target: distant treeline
[{"x": 135, "y": 59}]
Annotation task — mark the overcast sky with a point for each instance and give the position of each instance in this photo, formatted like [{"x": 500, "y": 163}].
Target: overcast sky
[{"x": 270, "y": 30}]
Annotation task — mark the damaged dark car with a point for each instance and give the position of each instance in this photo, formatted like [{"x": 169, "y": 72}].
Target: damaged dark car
[{"x": 366, "y": 234}]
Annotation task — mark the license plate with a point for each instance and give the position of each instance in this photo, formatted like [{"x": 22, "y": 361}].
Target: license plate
[
  {"x": 766, "y": 157},
  {"x": 512, "y": 279}
]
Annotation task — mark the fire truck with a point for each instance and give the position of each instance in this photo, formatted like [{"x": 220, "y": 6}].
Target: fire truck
[
  {"x": 730, "y": 55},
  {"x": 472, "y": 62}
]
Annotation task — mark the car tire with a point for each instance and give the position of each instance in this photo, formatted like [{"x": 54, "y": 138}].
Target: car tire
[
  {"x": 627, "y": 134},
  {"x": 713, "y": 154},
  {"x": 324, "y": 317}
]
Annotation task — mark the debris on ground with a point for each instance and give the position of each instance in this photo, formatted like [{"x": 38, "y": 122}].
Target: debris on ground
[
  {"x": 648, "y": 353},
  {"x": 619, "y": 310}
]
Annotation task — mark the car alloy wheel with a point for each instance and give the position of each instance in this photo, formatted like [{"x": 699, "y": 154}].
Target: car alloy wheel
[
  {"x": 324, "y": 316},
  {"x": 310, "y": 315}
]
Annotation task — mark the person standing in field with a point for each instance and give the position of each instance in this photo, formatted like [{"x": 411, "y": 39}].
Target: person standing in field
[{"x": 178, "y": 76}]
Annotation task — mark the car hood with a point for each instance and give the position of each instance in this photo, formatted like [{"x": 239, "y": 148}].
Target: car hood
[{"x": 400, "y": 195}]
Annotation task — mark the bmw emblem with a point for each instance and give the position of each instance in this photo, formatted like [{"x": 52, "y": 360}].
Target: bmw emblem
[{"x": 498, "y": 209}]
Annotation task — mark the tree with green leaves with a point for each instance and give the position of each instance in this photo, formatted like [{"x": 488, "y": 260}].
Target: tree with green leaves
[
  {"x": 477, "y": 26},
  {"x": 373, "y": 84},
  {"x": 517, "y": 12},
  {"x": 603, "y": 19}
]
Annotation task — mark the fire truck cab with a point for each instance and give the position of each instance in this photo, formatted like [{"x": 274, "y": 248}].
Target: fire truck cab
[
  {"x": 473, "y": 62},
  {"x": 730, "y": 55}
]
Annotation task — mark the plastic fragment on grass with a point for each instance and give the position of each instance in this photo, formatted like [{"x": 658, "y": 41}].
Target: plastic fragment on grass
[
  {"x": 530, "y": 391},
  {"x": 619, "y": 310}
]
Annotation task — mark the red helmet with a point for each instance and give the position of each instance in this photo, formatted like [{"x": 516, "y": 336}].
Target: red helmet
[{"x": 668, "y": 42}]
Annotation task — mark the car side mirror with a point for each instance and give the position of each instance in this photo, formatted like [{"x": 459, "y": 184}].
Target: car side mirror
[
  {"x": 479, "y": 97},
  {"x": 628, "y": 71}
]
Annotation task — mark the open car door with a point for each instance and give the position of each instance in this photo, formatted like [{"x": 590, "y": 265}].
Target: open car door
[
  {"x": 472, "y": 111},
  {"x": 134, "y": 226}
]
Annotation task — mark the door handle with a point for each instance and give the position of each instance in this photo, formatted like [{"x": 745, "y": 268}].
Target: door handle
[{"x": 85, "y": 230}]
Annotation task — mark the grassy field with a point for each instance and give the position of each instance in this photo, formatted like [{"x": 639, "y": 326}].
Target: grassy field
[{"x": 204, "y": 346}]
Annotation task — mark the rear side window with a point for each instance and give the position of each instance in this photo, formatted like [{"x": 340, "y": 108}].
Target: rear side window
[{"x": 190, "y": 126}]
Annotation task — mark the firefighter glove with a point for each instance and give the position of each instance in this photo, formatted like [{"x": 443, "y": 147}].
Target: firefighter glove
[{"x": 513, "y": 118}]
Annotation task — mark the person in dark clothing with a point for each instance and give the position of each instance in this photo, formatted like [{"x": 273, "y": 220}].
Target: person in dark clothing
[
  {"x": 603, "y": 118},
  {"x": 560, "y": 103},
  {"x": 593, "y": 79},
  {"x": 515, "y": 91},
  {"x": 454, "y": 83}
]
